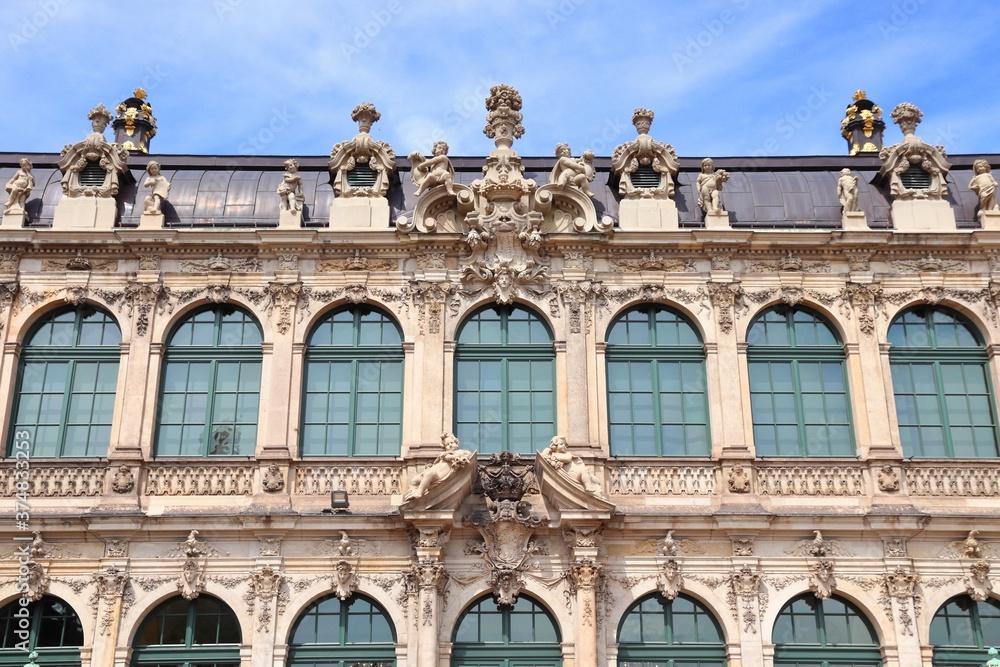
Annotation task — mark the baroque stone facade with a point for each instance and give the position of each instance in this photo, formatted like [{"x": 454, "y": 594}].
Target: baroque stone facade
[{"x": 581, "y": 520}]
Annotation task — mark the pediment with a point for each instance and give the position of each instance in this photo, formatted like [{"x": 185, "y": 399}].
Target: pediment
[
  {"x": 564, "y": 493},
  {"x": 449, "y": 494}
]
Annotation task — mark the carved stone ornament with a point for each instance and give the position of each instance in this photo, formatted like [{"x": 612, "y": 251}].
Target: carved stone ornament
[
  {"x": 443, "y": 467},
  {"x": 670, "y": 582},
  {"x": 221, "y": 264},
  {"x": 290, "y": 195},
  {"x": 748, "y": 586},
  {"x": 273, "y": 480},
  {"x": 506, "y": 527},
  {"x": 149, "y": 262},
  {"x": 192, "y": 580},
  {"x": 901, "y": 586},
  {"x": 159, "y": 189},
  {"x": 139, "y": 299},
  {"x": 36, "y": 583},
  {"x": 264, "y": 586},
  {"x": 983, "y": 184},
  {"x": 284, "y": 298},
  {"x": 742, "y": 546},
  {"x": 819, "y": 547},
  {"x": 362, "y": 153},
  {"x": 738, "y": 480},
  {"x": 724, "y": 298},
  {"x": 579, "y": 298},
  {"x": 573, "y": 172},
  {"x": 269, "y": 546},
  {"x": 977, "y": 583},
  {"x": 110, "y": 586},
  {"x": 345, "y": 580},
  {"x": 913, "y": 153},
  {"x": 789, "y": 262},
  {"x": 647, "y": 155},
  {"x": 430, "y": 299},
  {"x": 124, "y": 480},
  {"x": 847, "y": 191},
  {"x": 930, "y": 264},
  {"x": 888, "y": 479},
  {"x": 116, "y": 548},
  {"x": 822, "y": 581},
  {"x": 102, "y": 162},
  {"x": 192, "y": 547},
  {"x": 19, "y": 188},
  {"x": 864, "y": 298},
  {"x": 571, "y": 467},
  {"x": 709, "y": 185},
  {"x": 356, "y": 262},
  {"x": 651, "y": 262},
  {"x": 434, "y": 171}
]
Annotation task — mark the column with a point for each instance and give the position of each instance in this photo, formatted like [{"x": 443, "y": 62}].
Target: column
[
  {"x": 429, "y": 576},
  {"x": 585, "y": 574}
]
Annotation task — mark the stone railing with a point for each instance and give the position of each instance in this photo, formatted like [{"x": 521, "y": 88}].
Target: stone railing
[
  {"x": 60, "y": 480},
  {"x": 657, "y": 479},
  {"x": 810, "y": 480},
  {"x": 182, "y": 479},
  {"x": 932, "y": 479},
  {"x": 380, "y": 479}
]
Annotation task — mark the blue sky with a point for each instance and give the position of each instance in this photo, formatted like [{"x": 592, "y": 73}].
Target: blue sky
[{"x": 731, "y": 77}]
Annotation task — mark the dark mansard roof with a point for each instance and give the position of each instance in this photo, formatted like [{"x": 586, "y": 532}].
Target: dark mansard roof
[{"x": 240, "y": 191}]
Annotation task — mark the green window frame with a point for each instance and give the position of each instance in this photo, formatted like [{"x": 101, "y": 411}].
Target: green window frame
[
  {"x": 203, "y": 632},
  {"x": 54, "y": 630},
  {"x": 657, "y": 402},
  {"x": 962, "y": 630},
  {"x": 670, "y": 633},
  {"x": 810, "y": 632},
  {"x": 799, "y": 398},
  {"x": 353, "y": 392},
  {"x": 504, "y": 381},
  {"x": 523, "y": 634},
  {"x": 210, "y": 385},
  {"x": 67, "y": 383},
  {"x": 354, "y": 632},
  {"x": 941, "y": 384}
]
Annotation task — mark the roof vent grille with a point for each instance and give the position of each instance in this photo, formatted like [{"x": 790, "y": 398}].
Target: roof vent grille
[
  {"x": 645, "y": 177},
  {"x": 93, "y": 174},
  {"x": 362, "y": 176},
  {"x": 915, "y": 178}
]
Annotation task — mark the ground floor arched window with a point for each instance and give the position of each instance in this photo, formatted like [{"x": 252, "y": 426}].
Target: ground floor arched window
[
  {"x": 810, "y": 632},
  {"x": 54, "y": 630},
  {"x": 518, "y": 635},
  {"x": 203, "y": 632},
  {"x": 355, "y": 632},
  {"x": 962, "y": 631},
  {"x": 670, "y": 633}
]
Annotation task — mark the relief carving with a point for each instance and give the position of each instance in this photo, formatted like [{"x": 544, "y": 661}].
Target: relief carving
[
  {"x": 822, "y": 581},
  {"x": 443, "y": 467},
  {"x": 913, "y": 153},
  {"x": 364, "y": 153},
  {"x": 977, "y": 583},
  {"x": 652, "y": 156},
  {"x": 670, "y": 582},
  {"x": 93, "y": 154}
]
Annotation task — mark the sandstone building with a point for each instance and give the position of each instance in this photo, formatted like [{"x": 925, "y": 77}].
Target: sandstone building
[{"x": 629, "y": 410}]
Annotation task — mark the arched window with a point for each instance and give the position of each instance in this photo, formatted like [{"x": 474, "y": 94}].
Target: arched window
[
  {"x": 54, "y": 630},
  {"x": 189, "y": 633},
  {"x": 349, "y": 633},
  {"x": 211, "y": 385},
  {"x": 670, "y": 633},
  {"x": 353, "y": 403},
  {"x": 656, "y": 385},
  {"x": 941, "y": 383},
  {"x": 504, "y": 381},
  {"x": 963, "y": 629},
  {"x": 798, "y": 386},
  {"x": 522, "y": 634},
  {"x": 824, "y": 633},
  {"x": 66, "y": 385}
]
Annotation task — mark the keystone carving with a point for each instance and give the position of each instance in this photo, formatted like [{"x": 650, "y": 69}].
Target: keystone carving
[
  {"x": 822, "y": 581},
  {"x": 977, "y": 582},
  {"x": 670, "y": 581},
  {"x": 345, "y": 580}
]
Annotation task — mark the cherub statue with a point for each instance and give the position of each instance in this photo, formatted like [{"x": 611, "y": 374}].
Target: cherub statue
[
  {"x": 290, "y": 189},
  {"x": 435, "y": 170},
  {"x": 709, "y": 186},
  {"x": 450, "y": 460},
  {"x": 558, "y": 456},
  {"x": 19, "y": 187},
  {"x": 847, "y": 191},
  {"x": 569, "y": 171},
  {"x": 983, "y": 184},
  {"x": 159, "y": 189}
]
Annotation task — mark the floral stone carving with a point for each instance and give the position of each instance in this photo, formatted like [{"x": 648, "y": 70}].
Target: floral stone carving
[
  {"x": 913, "y": 154},
  {"x": 646, "y": 167},
  {"x": 371, "y": 162},
  {"x": 91, "y": 158}
]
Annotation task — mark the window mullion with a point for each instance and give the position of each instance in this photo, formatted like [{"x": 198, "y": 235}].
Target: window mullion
[
  {"x": 504, "y": 406},
  {"x": 800, "y": 425},
  {"x": 657, "y": 417},
  {"x": 820, "y": 624},
  {"x": 209, "y": 405},
  {"x": 352, "y": 406},
  {"x": 943, "y": 409},
  {"x": 64, "y": 413}
]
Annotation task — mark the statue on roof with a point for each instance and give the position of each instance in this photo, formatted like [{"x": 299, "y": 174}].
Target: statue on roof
[
  {"x": 19, "y": 188},
  {"x": 985, "y": 186},
  {"x": 435, "y": 170},
  {"x": 847, "y": 191},
  {"x": 709, "y": 185},
  {"x": 159, "y": 189},
  {"x": 290, "y": 197},
  {"x": 575, "y": 172}
]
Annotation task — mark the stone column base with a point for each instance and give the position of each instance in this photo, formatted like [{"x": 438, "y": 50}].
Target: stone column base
[
  {"x": 151, "y": 221},
  {"x": 14, "y": 219},
  {"x": 717, "y": 220},
  {"x": 289, "y": 219},
  {"x": 989, "y": 220},
  {"x": 354, "y": 212},
  {"x": 647, "y": 215},
  {"x": 854, "y": 221},
  {"x": 923, "y": 215},
  {"x": 84, "y": 213}
]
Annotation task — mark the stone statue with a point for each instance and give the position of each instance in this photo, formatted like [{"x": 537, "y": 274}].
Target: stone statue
[
  {"x": 847, "y": 191},
  {"x": 444, "y": 466},
  {"x": 558, "y": 456},
  {"x": 983, "y": 184},
  {"x": 159, "y": 189},
  {"x": 709, "y": 186},
  {"x": 290, "y": 195},
  {"x": 19, "y": 187},
  {"x": 435, "y": 170},
  {"x": 576, "y": 172}
]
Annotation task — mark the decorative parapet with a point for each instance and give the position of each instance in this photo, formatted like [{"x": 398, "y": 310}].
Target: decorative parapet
[
  {"x": 55, "y": 481},
  {"x": 652, "y": 479},
  {"x": 180, "y": 479},
  {"x": 922, "y": 479},
  {"x": 378, "y": 479},
  {"x": 811, "y": 480}
]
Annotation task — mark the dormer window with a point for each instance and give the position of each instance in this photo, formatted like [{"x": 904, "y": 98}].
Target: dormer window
[
  {"x": 362, "y": 176},
  {"x": 645, "y": 177},
  {"x": 915, "y": 178},
  {"x": 92, "y": 175}
]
